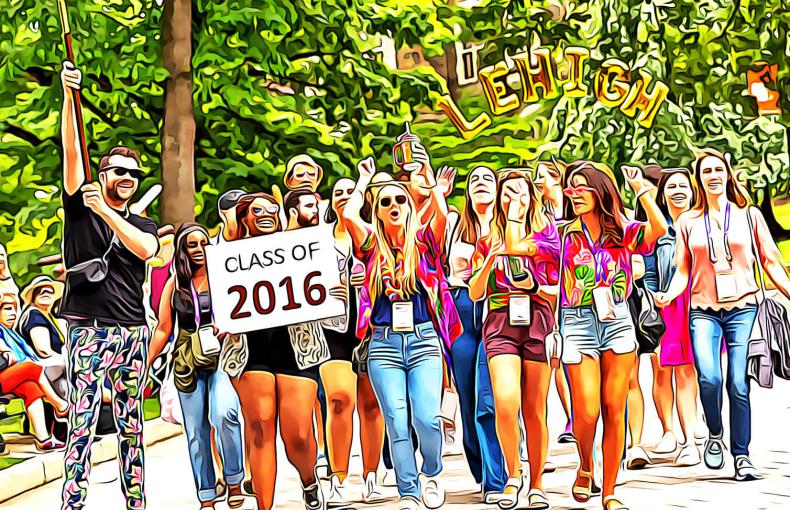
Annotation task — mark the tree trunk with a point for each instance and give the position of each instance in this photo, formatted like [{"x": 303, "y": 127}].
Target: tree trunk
[{"x": 178, "y": 129}]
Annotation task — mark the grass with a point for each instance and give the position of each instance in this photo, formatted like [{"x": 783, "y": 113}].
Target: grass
[
  {"x": 6, "y": 462},
  {"x": 14, "y": 424}
]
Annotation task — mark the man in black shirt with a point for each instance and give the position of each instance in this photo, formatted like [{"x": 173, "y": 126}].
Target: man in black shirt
[{"x": 105, "y": 249}]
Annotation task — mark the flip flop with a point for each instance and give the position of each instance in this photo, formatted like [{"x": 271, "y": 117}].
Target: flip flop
[{"x": 538, "y": 500}]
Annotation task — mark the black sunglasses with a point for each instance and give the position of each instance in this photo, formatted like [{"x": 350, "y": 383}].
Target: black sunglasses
[
  {"x": 386, "y": 201},
  {"x": 120, "y": 171}
]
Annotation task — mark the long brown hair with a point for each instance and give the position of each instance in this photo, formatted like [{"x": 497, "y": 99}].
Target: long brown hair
[
  {"x": 536, "y": 218},
  {"x": 607, "y": 197},
  {"x": 469, "y": 227},
  {"x": 183, "y": 269},
  {"x": 666, "y": 173},
  {"x": 735, "y": 192},
  {"x": 243, "y": 206}
]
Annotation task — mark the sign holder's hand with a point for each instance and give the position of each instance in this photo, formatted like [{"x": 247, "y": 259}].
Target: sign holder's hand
[{"x": 340, "y": 292}]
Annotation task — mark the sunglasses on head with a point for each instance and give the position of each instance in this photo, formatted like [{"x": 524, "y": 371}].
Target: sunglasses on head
[
  {"x": 387, "y": 201},
  {"x": 577, "y": 191},
  {"x": 121, "y": 172}
]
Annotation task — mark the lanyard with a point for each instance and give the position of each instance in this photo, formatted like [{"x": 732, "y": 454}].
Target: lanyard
[
  {"x": 711, "y": 251},
  {"x": 596, "y": 251}
]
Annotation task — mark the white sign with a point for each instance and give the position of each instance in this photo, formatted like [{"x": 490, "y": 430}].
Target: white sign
[{"x": 274, "y": 280}]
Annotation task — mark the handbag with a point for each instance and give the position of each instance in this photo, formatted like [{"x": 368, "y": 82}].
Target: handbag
[
  {"x": 91, "y": 271},
  {"x": 769, "y": 347},
  {"x": 554, "y": 340},
  {"x": 648, "y": 323}
]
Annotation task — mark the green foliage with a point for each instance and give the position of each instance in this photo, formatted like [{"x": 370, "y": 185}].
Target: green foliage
[
  {"x": 701, "y": 50},
  {"x": 118, "y": 49}
]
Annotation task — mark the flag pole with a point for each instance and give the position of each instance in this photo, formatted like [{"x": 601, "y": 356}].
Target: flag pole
[{"x": 66, "y": 32}]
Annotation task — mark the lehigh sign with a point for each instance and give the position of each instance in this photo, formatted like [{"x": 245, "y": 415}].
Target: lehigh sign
[{"x": 612, "y": 87}]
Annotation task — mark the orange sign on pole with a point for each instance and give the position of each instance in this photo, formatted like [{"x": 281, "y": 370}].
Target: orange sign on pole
[{"x": 762, "y": 86}]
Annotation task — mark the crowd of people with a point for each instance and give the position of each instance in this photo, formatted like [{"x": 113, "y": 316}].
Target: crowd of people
[{"x": 535, "y": 276}]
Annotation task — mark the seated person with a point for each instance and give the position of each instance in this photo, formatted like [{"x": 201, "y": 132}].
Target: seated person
[
  {"x": 38, "y": 325},
  {"x": 23, "y": 377}
]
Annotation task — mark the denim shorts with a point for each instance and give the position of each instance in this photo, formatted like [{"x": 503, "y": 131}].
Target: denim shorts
[{"x": 584, "y": 334}]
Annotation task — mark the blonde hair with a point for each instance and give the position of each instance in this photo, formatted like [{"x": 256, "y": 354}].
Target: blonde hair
[{"x": 386, "y": 257}]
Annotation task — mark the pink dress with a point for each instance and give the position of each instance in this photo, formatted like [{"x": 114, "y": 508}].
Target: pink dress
[{"x": 676, "y": 343}]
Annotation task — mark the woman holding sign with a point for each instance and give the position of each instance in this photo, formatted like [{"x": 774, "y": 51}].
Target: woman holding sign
[
  {"x": 515, "y": 268},
  {"x": 598, "y": 331},
  {"x": 273, "y": 387},
  {"x": 406, "y": 307},
  {"x": 207, "y": 397},
  {"x": 718, "y": 245}
]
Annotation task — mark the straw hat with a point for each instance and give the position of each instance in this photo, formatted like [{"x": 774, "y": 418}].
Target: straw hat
[
  {"x": 39, "y": 282},
  {"x": 301, "y": 159}
]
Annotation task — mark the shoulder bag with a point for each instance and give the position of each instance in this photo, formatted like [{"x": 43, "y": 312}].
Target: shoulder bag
[{"x": 769, "y": 348}]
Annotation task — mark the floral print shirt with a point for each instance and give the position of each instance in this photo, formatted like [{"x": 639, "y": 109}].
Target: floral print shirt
[
  {"x": 430, "y": 274},
  {"x": 543, "y": 264},
  {"x": 608, "y": 264}
]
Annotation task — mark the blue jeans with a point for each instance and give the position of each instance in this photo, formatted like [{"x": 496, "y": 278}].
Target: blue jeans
[
  {"x": 214, "y": 403},
  {"x": 707, "y": 330},
  {"x": 475, "y": 397},
  {"x": 406, "y": 372}
]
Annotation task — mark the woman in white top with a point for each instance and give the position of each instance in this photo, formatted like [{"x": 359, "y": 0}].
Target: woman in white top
[{"x": 470, "y": 370}]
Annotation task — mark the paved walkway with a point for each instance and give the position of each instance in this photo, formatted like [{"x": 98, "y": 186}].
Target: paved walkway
[{"x": 169, "y": 482}]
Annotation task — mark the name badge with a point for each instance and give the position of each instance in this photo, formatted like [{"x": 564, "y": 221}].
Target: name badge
[
  {"x": 209, "y": 343},
  {"x": 402, "y": 316},
  {"x": 519, "y": 310},
  {"x": 603, "y": 299},
  {"x": 726, "y": 286}
]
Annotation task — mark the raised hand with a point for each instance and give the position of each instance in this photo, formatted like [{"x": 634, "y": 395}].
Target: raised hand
[
  {"x": 634, "y": 177},
  {"x": 70, "y": 76},
  {"x": 446, "y": 179},
  {"x": 367, "y": 168}
]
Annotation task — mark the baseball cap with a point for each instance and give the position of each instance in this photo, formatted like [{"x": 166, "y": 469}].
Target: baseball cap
[{"x": 229, "y": 199}]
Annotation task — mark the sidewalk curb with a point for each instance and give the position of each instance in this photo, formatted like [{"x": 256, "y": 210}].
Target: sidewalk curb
[{"x": 44, "y": 468}]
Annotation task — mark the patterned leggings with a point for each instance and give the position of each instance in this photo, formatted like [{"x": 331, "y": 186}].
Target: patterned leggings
[{"x": 120, "y": 353}]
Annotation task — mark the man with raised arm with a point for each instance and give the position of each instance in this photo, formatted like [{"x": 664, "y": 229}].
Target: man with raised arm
[{"x": 105, "y": 249}]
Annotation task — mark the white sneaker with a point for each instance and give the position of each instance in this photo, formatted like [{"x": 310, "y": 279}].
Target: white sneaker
[
  {"x": 637, "y": 458},
  {"x": 668, "y": 444},
  {"x": 337, "y": 496},
  {"x": 433, "y": 494},
  {"x": 688, "y": 455},
  {"x": 371, "y": 493},
  {"x": 408, "y": 503}
]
